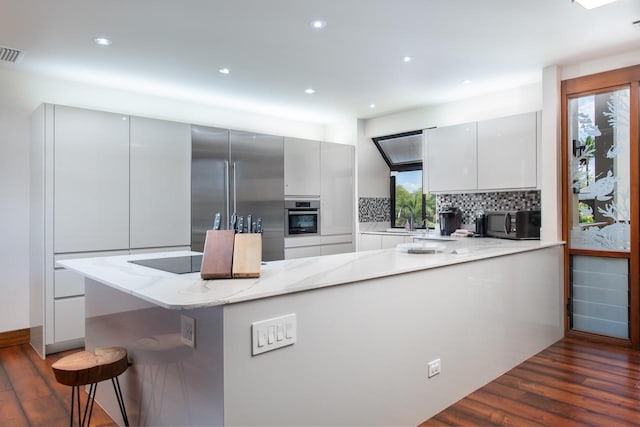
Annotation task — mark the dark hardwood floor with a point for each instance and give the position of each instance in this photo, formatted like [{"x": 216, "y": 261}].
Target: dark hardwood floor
[
  {"x": 30, "y": 395},
  {"x": 571, "y": 383}
]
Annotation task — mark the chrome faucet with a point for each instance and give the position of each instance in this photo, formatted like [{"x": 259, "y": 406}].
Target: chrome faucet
[{"x": 410, "y": 216}]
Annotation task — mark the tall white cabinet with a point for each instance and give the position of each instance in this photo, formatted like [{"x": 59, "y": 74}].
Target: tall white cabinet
[
  {"x": 101, "y": 184},
  {"x": 314, "y": 169},
  {"x": 301, "y": 167},
  {"x": 91, "y": 180},
  {"x": 160, "y": 183},
  {"x": 337, "y": 198}
]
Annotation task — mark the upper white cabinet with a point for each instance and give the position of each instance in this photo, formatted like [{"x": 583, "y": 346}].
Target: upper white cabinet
[
  {"x": 496, "y": 154},
  {"x": 160, "y": 183},
  {"x": 337, "y": 179},
  {"x": 301, "y": 167},
  {"x": 507, "y": 152},
  {"x": 91, "y": 180},
  {"x": 450, "y": 158}
]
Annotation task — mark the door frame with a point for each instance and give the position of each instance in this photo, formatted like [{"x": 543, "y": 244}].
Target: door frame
[{"x": 598, "y": 83}]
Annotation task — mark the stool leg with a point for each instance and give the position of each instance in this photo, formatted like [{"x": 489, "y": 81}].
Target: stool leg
[
  {"x": 123, "y": 411},
  {"x": 93, "y": 388},
  {"x": 73, "y": 396}
]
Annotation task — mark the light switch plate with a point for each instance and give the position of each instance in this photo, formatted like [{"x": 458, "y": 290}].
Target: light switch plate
[{"x": 270, "y": 334}]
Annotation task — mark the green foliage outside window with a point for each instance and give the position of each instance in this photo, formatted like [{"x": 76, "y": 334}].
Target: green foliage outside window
[{"x": 413, "y": 201}]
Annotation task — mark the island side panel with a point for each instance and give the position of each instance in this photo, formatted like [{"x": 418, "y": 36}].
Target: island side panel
[
  {"x": 168, "y": 382},
  {"x": 362, "y": 349}
]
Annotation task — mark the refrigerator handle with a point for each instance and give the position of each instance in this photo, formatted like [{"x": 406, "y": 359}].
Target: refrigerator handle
[
  {"x": 226, "y": 189},
  {"x": 235, "y": 209}
]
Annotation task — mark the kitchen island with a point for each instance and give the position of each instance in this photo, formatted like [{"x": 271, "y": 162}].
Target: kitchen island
[{"x": 367, "y": 324}]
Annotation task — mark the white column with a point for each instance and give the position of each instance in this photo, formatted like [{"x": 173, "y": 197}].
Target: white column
[{"x": 551, "y": 176}]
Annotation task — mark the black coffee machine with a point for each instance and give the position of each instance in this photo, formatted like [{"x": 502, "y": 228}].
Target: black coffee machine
[{"x": 450, "y": 220}]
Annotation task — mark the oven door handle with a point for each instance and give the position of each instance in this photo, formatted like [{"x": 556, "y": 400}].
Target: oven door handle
[{"x": 313, "y": 212}]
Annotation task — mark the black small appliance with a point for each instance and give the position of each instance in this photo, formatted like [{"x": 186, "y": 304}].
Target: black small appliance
[
  {"x": 517, "y": 225},
  {"x": 450, "y": 220},
  {"x": 481, "y": 225}
]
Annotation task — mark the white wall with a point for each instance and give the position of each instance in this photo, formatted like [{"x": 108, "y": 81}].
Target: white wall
[
  {"x": 599, "y": 65},
  {"x": 21, "y": 93},
  {"x": 372, "y": 170}
]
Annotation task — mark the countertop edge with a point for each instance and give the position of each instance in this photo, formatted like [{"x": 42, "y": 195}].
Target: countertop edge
[{"x": 244, "y": 290}]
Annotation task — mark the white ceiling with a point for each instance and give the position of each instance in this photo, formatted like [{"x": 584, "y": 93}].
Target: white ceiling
[{"x": 174, "y": 48}]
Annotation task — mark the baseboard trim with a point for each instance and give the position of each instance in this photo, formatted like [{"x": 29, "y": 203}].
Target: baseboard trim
[{"x": 10, "y": 338}]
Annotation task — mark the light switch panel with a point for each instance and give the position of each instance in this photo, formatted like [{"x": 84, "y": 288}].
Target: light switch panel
[{"x": 279, "y": 332}]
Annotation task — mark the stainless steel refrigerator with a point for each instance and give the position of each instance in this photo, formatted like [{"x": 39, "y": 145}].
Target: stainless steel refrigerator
[{"x": 242, "y": 172}]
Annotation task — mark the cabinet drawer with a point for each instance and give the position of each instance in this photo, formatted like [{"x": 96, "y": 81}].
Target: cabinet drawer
[
  {"x": 69, "y": 319},
  {"x": 67, "y": 284},
  {"x": 341, "y": 248},
  {"x": 302, "y": 252}
]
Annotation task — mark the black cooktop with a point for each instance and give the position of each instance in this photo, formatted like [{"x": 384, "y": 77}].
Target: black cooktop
[{"x": 178, "y": 265}]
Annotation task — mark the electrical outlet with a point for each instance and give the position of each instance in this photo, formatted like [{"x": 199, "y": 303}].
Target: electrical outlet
[
  {"x": 434, "y": 368},
  {"x": 188, "y": 330}
]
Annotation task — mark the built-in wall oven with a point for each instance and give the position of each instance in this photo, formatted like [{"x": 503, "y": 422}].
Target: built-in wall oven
[{"x": 302, "y": 218}]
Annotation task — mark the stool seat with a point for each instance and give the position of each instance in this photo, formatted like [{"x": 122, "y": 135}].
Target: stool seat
[{"x": 86, "y": 368}]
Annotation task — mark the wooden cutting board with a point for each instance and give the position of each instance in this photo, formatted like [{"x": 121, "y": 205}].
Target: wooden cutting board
[
  {"x": 217, "y": 259},
  {"x": 247, "y": 255}
]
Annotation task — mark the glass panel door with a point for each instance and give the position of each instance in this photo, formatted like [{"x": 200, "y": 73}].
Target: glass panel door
[
  {"x": 599, "y": 212},
  {"x": 599, "y": 171}
]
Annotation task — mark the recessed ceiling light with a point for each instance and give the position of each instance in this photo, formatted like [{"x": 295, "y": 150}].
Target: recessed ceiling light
[
  {"x": 590, "y": 4},
  {"x": 318, "y": 24},
  {"x": 102, "y": 41},
  {"x": 407, "y": 59},
  {"x": 224, "y": 71},
  {"x": 466, "y": 82},
  {"x": 372, "y": 105},
  {"x": 309, "y": 91}
]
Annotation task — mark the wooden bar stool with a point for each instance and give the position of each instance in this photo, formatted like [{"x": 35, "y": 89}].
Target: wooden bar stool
[{"x": 85, "y": 368}]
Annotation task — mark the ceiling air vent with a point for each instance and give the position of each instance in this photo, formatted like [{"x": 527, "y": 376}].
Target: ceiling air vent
[{"x": 11, "y": 55}]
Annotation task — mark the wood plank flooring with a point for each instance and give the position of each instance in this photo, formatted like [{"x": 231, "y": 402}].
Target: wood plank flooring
[
  {"x": 571, "y": 383},
  {"x": 30, "y": 394}
]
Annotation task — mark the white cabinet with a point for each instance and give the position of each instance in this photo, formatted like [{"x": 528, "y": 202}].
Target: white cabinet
[
  {"x": 160, "y": 183},
  {"x": 507, "y": 152},
  {"x": 301, "y": 167},
  {"x": 67, "y": 283},
  {"x": 91, "y": 180},
  {"x": 302, "y": 252},
  {"x": 336, "y": 244},
  {"x": 308, "y": 246},
  {"x": 86, "y": 166},
  {"x": 337, "y": 193},
  {"x": 450, "y": 158},
  {"x": 369, "y": 242},
  {"x": 69, "y": 319},
  {"x": 382, "y": 241},
  {"x": 389, "y": 241}
]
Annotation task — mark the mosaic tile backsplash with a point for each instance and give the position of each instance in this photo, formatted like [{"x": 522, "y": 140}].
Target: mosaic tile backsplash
[
  {"x": 470, "y": 203},
  {"x": 378, "y": 209},
  {"x": 375, "y": 209}
]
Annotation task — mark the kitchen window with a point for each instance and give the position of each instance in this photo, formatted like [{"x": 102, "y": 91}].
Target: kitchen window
[{"x": 403, "y": 155}]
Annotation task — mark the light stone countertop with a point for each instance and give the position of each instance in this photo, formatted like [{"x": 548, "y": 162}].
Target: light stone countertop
[{"x": 189, "y": 291}]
